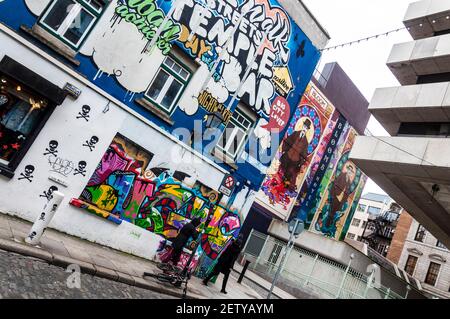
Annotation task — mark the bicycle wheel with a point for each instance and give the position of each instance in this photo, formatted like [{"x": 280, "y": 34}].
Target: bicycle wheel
[{"x": 160, "y": 277}]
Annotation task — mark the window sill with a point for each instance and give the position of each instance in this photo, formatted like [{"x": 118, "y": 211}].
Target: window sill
[
  {"x": 154, "y": 110},
  {"x": 50, "y": 41},
  {"x": 223, "y": 158},
  {"x": 6, "y": 171}
]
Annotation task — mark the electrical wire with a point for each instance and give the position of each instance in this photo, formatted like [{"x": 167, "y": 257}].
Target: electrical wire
[{"x": 376, "y": 36}]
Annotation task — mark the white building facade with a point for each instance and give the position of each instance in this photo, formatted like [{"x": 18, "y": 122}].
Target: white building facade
[
  {"x": 425, "y": 258},
  {"x": 369, "y": 204}
]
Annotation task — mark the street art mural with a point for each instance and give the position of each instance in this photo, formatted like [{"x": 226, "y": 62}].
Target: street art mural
[
  {"x": 248, "y": 51},
  {"x": 119, "y": 191},
  {"x": 338, "y": 192},
  {"x": 304, "y": 138}
]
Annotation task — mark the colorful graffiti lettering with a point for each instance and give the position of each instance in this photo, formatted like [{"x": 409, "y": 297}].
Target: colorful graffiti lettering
[
  {"x": 256, "y": 25},
  {"x": 147, "y": 18},
  {"x": 117, "y": 191}
]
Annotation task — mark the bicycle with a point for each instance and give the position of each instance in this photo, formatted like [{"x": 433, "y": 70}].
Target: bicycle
[{"x": 173, "y": 275}]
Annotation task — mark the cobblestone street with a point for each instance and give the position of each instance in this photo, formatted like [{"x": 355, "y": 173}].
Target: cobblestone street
[{"x": 25, "y": 278}]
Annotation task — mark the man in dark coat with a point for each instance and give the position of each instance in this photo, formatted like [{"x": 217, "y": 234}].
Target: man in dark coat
[
  {"x": 294, "y": 154},
  {"x": 226, "y": 262},
  {"x": 187, "y": 231}
]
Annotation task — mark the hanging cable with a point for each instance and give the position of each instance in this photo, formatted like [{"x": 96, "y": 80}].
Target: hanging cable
[{"x": 376, "y": 36}]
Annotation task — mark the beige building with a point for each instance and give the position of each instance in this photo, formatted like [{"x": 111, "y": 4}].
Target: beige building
[{"x": 420, "y": 254}]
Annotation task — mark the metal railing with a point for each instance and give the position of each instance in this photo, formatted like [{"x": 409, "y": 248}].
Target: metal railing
[{"x": 306, "y": 271}]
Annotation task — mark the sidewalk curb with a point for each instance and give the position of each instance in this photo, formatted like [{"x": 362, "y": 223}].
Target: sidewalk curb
[
  {"x": 88, "y": 268},
  {"x": 257, "y": 283},
  {"x": 26, "y": 250}
]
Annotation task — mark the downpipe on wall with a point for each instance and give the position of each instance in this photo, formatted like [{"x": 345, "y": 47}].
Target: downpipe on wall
[{"x": 44, "y": 218}]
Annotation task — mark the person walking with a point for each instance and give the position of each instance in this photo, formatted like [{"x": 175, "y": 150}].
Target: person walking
[
  {"x": 225, "y": 262},
  {"x": 187, "y": 231}
]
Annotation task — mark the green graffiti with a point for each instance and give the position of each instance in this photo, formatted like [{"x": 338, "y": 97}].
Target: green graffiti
[{"x": 147, "y": 18}]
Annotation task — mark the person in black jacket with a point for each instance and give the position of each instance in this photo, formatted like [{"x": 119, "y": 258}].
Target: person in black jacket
[
  {"x": 187, "y": 231},
  {"x": 225, "y": 262}
]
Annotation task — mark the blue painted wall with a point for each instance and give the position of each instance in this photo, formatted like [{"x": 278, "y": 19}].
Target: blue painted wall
[{"x": 289, "y": 47}]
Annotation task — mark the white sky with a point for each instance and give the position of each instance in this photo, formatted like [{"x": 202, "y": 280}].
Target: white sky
[{"x": 365, "y": 63}]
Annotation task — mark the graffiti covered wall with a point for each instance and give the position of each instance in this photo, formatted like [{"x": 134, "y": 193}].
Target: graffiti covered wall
[
  {"x": 248, "y": 51},
  {"x": 122, "y": 189},
  {"x": 339, "y": 193},
  {"x": 320, "y": 186},
  {"x": 299, "y": 151}
]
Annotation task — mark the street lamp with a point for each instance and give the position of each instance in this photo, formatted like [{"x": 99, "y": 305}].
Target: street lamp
[{"x": 295, "y": 228}]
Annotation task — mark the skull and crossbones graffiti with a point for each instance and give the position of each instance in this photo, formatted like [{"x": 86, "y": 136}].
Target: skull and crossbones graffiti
[
  {"x": 52, "y": 148},
  {"x": 42, "y": 217},
  {"x": 81, "y": 168},
  {"x": 32, "y": 235},
  {"x": 49, "y": 194},
  {"x": 91, "y": 143},
  {"x": 27, "y": 174},
  {"x": 84, "y": 114}
]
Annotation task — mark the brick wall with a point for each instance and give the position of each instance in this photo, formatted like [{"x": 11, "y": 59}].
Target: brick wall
[{"x": 398, "y": 241}]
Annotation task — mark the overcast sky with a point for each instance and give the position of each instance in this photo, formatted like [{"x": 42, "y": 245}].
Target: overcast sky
[{"x": 365, "y": 63}]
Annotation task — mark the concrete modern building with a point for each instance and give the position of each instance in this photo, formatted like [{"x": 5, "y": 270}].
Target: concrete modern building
[
  {"x": 413, "y": 165},
  {"x": 418, "y": 253},
  {"x": 369, "y": 204},
  {"x": 147, "y": 114}
]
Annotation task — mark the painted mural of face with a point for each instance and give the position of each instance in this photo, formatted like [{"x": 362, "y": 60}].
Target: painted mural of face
[
  {"x": 350, "y": 172},
  {"x": 27, "y": 174}
]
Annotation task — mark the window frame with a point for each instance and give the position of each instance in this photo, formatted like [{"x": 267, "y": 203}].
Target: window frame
[
  {"x": 185, "y": 82},
  {"x": 8, "y": 169},
  {"x": 407, "y": 265},
  {"x": 60, "y": 36},
  {"x": 420, "y": 230},
  {"x": 439, "y": 244},
  {"x": 238, "y": 125},
  {"x": 356, "y": 222},
  {"x": 429, "y": 273}
]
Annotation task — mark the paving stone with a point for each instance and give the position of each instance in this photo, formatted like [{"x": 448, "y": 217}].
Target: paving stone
[
  {"x": 106, "y": 273},
  {"x": 50, "y": 282},
  {"x": 54, "y": 246}
]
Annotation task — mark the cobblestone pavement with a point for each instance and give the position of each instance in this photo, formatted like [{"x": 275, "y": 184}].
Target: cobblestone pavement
[{"x": 29, "y": 278}]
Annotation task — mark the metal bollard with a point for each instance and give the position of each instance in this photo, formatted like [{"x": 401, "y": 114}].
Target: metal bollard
[
  {"x": 241, "y": 276},
  {"x": 44, "y": 219}
]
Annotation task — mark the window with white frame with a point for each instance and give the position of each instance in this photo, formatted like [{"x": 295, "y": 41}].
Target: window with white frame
[
  {"x": 168, "y": 84},
  {"x": 235, "y": 134},
  {"x": 361, "y": 207},
  {"x": 351, "y": 236},
  {"x": 356, "y": 222},
  {"x": 72, "y": 20}
]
